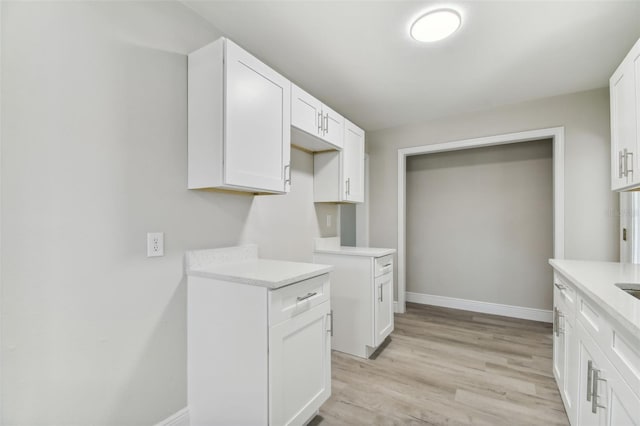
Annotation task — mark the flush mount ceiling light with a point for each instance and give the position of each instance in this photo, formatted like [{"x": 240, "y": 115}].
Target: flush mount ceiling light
[{"x": 436, "y": 25}]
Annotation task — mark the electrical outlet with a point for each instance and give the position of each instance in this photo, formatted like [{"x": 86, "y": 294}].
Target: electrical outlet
[{"x": 155, "y": 244}]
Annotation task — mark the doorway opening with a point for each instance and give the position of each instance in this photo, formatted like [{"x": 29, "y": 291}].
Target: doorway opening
[{"x": 556, "y": 135}]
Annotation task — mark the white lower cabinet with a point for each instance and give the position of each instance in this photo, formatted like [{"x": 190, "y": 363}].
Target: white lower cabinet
[
  {"x": 361, "y": 300},
  {"x": 605, "y": 399},
  {"x": 258, "y": 356},
  {"x": 383, "y": 308},
  {"x": 299, "y": 366},
  {"x": 596, "y": 367}
]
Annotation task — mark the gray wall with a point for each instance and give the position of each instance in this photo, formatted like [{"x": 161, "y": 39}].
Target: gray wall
[
  {"x": 480, "y": 224},
  {"x": 590, "y": 228},
  {"x": 93, "y": 157}
]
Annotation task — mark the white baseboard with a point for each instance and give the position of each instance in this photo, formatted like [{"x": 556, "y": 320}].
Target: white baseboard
[
  {"x": 181, "y": 418},
  {"x": 484, "y": 307}
]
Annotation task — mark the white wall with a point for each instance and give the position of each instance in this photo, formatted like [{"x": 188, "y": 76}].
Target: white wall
[
  {"x": 93, "y": 157},
  {"x": 590, "y": 229},
  {"x": 480, "y": 224}
]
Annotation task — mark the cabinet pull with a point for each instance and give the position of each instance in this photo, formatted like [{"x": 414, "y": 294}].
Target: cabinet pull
[
  {"x": 320, "y": 124},
  {"x": 308, "y": 295},
  {"x": 594, "y": 401},
  {"x": 380, "y": 298},
  {"x": 556, "y": 320},
  {"x": 620, "y": 167},
  {"x": 560, "y": 287},
  {"x": 287, "y": 180},
  {"x": 559, "y": 329},
  {"x": 626, "y": 163},
  {"x": 330, "y": 314},
  {"x": 326, "y": 126},
  {"x": 348, "y": 184},
  {"x": 589, "y": 379}
]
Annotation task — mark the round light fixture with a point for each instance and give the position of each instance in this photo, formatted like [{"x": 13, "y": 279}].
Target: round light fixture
[{"x": 436, "y": 25}]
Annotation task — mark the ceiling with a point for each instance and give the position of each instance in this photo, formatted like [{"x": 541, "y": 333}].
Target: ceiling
[{"x": 357, "y": 56}]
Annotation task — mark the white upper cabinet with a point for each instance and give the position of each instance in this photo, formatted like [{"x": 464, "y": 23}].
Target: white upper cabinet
[
  {"x": 239, "y": 121},
  {"x": 624, "y": 90},
  {"x": 339, "y": 175},
  {"x": 316, "y": 126},
  {"x": 353, "y": 162}
]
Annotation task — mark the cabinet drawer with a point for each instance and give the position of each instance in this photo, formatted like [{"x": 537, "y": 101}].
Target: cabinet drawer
[
  {"x": 383, "y": 265},
  {"x": 289, "y": 301},
  {"x": 590, "y": 316},
  {"x": 567, "y": 293}
]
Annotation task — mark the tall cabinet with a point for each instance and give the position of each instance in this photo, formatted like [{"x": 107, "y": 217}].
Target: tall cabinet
[{"x": 624, "y": 91}]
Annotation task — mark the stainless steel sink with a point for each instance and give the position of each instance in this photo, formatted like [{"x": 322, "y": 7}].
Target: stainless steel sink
[{"x": 632, "y": 289}]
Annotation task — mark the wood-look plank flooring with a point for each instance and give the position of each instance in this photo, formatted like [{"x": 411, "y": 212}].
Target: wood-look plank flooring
[{"x": 449, "y": 367}]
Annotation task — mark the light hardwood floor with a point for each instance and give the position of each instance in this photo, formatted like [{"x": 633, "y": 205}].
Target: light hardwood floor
[{"x": 449, "y": 367}]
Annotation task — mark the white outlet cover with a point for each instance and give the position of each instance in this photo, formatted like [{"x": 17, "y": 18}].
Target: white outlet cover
[{"x": 155, "y": 244}]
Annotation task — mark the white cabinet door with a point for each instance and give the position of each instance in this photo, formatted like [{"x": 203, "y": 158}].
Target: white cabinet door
[
  {"x": 383, "y": 311},
  {"x": 569, "y": 387},
  {"x": 623, "y": 126},
  {"x": 333, "y": 129},
  {"x": 604, "y": 396},
  {"x": 589, "y": 359},
  {"x": 558, "y": 348},
  {"x": 257, "y": 123},
  {"x": 299, "y": 366},
  {"x": 313, "y": 117},
  {"x": 353, "y": 163},
  {"x": 306, "y": 111}
]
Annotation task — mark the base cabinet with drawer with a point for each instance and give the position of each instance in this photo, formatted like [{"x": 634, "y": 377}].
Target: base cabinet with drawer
[
  {"x": 258, "y": 356},
  {"x": 595, "y": 363},
  {"x": 361, "y": 299}
]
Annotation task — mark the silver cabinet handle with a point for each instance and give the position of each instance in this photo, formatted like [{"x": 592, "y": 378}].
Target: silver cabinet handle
[
  {"x": 560, "y": 329},
  {"x": 589, "y": 379},
  {"x": 348, "y": 185},
  {"x": 626, "y": 163},
  {"x": 287, "y": 180},
  {"x": 320, "y": 127},
  {"x": 326, "y": 126},
  {"x": 381, "y": 297},
  {"x": 560, "y": 286},
  {"x": 330, "y": 314},
  {"x": 308, "y": 295},
  {"x": 620, "y": 166},
  {"x": 555, "y": 320},
  {"x": 594, "y": 401}
]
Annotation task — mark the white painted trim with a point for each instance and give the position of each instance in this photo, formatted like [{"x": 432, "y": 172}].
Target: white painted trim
[
  {"x": 554, "y": 133},
  {"x": 395, "y": 308},
  {"x": 1, "y": 289},
  {"x": 181, "y": 418},
  {"x": 522, "y": 312}
]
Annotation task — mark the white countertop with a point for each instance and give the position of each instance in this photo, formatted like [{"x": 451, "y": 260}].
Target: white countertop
[
  {"x": 242, "y": 265},
  {"x": 357, "y": 251},
  {"x": 597, "y": 280}
]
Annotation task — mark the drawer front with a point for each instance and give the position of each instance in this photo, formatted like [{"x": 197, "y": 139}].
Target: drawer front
[
  {"x": 567, "y": 291},
  {"x": 383, "y": 265},
  {"x": 589, "y": 315},
  {"x": 294, "y": 299}
]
